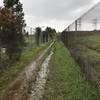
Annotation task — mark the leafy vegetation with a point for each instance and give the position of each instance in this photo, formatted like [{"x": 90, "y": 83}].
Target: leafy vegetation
[
  {"x": 91, "y": 41},
  {"x": 89, "y": 48},
  {"x": 65, "y": 80},
  {"x": 11, "y": 25},
  {"x": 44, "y": 36},
  {"x": 9, "y": 74}
]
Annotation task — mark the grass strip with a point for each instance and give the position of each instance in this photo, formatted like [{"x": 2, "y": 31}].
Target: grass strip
[{"x": 65, "y": 80}]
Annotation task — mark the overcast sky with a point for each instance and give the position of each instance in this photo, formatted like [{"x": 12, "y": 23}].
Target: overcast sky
[{"x": 54, "y": 13}]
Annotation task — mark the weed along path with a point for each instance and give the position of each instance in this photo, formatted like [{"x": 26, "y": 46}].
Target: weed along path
[
  {"x": 65, "y": 80},
  {"x": 20, "y": 89}
]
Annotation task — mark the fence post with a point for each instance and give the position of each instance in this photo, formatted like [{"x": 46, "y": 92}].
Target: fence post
[
  {"x": 68, "y": 28},
  {"x": 76, "y": 25},
  {"x": 0, "y": 57}
]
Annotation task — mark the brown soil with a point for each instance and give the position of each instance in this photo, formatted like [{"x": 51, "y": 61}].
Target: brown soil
[{"x": 17, "y": 89}]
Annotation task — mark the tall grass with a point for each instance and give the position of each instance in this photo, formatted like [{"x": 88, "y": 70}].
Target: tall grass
[{"x": 65, "y": 80}]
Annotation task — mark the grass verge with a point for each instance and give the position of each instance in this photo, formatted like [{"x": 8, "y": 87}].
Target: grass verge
[
  {"x": 90, "y": 55},
  {"x": 92, "y": 41},
  {"x": 65, "y": 80}
]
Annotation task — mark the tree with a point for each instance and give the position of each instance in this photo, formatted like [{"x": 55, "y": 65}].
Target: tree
[
  {"x": 38, "y": 35},
  {"x": 17, "y": 8},
  {"x": 44, "y": 34},
  {"x": 11, "y": 28},
  {"x": 8, "y": 33},
  {"x": 50, "y": 33},
  {"x": 10, "y": 3}
]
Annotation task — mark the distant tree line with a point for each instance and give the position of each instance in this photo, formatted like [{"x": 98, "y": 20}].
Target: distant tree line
[{"x": 45, "y": 35}]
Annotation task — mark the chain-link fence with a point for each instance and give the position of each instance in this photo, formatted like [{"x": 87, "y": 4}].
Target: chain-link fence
[
  {"x": 88, "y": 21},
  {"x": 82, "y": 38}
]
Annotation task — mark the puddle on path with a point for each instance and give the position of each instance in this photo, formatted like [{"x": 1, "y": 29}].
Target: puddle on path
[
  {"x": 18, "y": 88},
  {"x": 37, "y": 89}
]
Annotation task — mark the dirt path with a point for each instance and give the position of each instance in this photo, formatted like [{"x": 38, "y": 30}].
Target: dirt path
[
  {"x": 18, "y": 89},
  {"x": 37, "y": 88}
]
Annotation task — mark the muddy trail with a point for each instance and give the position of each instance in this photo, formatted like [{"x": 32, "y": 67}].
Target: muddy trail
[
  {"x": 29, "y": 85},
  {"x": 37, "y": 88}
]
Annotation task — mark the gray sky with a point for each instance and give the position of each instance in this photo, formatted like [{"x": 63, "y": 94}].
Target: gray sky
[{"x": 55, "y": 13}]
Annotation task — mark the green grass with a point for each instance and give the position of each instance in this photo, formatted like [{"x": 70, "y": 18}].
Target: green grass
[
  {"x": 90, "y": 55},
  {"x": 88, "y": 47},
  {"x": 65, "y": 80},
  {"x": 11, "y": 72},
  {"x": 92, "y": 41}
]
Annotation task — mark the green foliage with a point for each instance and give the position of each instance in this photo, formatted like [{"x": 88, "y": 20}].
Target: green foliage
[
  {"x": 8, "y": 34},
  {"x": 51, "y": 32},
  {"x": 65, "y": 80},
  {"x": 44, "y": 36},
  {"x": 92, "y": 41},
  {"x": 38, "y": 35},
  {"x": 11, "y": 28},
  {"x": 9, "y": 74},
  {"x": 10, "y": 3},
  {"x": 88, "y": 47}
]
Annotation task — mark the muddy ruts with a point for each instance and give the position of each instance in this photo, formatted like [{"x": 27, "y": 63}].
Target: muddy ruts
[
  {"x": 37, "y": 87},
  {"x": 18, "y": 88}
]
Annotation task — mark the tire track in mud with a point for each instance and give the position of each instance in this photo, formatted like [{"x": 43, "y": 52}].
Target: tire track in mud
[
  {"x": 37, "y": 88},
  {"x": 19, "y": 88}
]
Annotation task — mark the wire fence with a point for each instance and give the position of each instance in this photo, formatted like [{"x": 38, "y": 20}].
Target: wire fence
[
  {"x": 87, "y": 24},
  {"x": 82, "y": 38},
  {"x": 88, "y": 21}
]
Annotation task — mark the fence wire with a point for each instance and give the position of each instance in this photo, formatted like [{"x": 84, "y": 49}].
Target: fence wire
[{"x": 88, "y": 21}]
